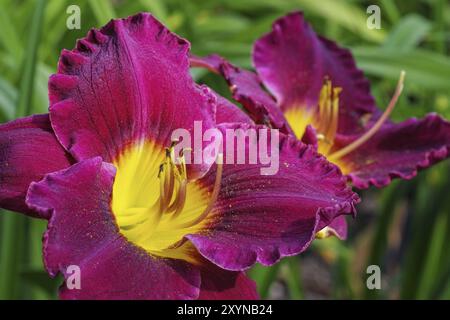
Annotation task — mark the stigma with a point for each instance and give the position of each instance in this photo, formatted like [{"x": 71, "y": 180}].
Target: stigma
[{"x": 375, "y": 128}]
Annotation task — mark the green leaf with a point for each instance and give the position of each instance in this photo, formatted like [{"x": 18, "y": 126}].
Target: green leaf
[
  {"x": 103, "y": 10},
  {"x": 39, "y": 279},
  {"x": 8, "y": 98},
  {"x": 389, "y": 201},
  {"x": 345, "y": 14},
  {"x": 30, "y": 61},
  {"x": 11, "y": 254},
  {"x": 9, "y": 38},
  {"x": 407, "y": 34},
  {"x": 391, "y": 10},
  {"x": 293, "y": 278},
  {"x": 432, "y": 192},
  {"x": 264, "y": 277},
  {"x": 423, "y": 68},
  {"x": 157, "y": 8},
  {"x": 433, "y": 254}
]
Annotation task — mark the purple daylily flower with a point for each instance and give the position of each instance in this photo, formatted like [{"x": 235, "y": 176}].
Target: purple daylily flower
[
  {"x": 319, "y": 95},
  {"x": 137, "y": 224}
]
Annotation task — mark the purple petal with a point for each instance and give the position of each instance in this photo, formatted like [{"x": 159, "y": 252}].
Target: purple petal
[
  {"x": 293, "y": 61},
  {"x": 28, "y": 151},
  {"x": 229, "y": 112},
  {"x": 82, "y": 232},
  {"x": 247, "y": 90},
  {"x": 219, "y": 284},
  {"x": 397, "y": 151},
  {"x": 261, "y": 218},
  {"x": 124, "y": 83},
  {"x": 310, "y": 136}
]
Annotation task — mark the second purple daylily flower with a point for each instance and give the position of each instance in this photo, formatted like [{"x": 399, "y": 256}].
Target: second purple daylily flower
[{"x": 318, "y": 95}]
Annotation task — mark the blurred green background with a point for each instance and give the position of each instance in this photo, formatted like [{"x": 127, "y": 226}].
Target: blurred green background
[{"x": 404, "y": 228}]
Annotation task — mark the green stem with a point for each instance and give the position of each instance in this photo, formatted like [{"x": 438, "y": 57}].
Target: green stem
[{"x": 11, "y": 254}]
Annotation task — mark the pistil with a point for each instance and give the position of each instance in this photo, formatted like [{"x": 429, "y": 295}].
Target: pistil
[{"x": 374, "y": 129}]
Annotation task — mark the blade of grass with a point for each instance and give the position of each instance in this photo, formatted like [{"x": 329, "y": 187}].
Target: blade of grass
[
  {"x": 391, "y": 10},
  {"x": 389, "y": 200},
  {"x": 103, "y": 11},
  {"x": 9, "y": 39},
  {"x": 30, "y": 61},
  {"x": 345, "y": 14},
  {"x": 431, "y": 193},
  {"x": 37, "y": 228},
  {"x": 157, "y": 8},
  {"x": 439, "y": 24},
  {"x": 407, "y": 34},
  {"x": 10, "y": 254},
  {"x": 432, "y": 258},
  {"x": 424, "y": 68},
  {"x": 264, "y": 277},
  {"x": 8, "y": 96},
  {"x": 293, "y": 278}
]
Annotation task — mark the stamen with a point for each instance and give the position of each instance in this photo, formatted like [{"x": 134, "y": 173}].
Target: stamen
[
  {"x": 332, "y": 129},
  {"x": 181, "y": 199},
  {"x": 214, "y": 195},
  {"x": 162, "y": 195},
  {"x": 320, "y": 137},
  {"x": 169, "y": 181},
  {"x": 326, "y": 118},
  {"x": 369, "y": 134}
]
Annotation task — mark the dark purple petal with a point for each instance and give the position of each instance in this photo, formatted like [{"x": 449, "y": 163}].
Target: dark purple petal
[
  {"x": 229, "y": 112},
  {"x": 262, "y": 218},
  {"x": 124, "y": 83},
  {"x": 397, "y": 151},
  {"x": 219, "y": 284},
  {"x": 212, "y": 62},
  {"x": 310, "y": 136},
  {"x": 28, "y": 151},
  {"x": 246, "y": 89},
  {"x": 293, "y": 61},
  {"x": 82, "y": 232}
]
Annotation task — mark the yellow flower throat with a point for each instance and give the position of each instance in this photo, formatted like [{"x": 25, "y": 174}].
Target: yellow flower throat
[
  {"x": 325, "y": 119},
  {"x": 155, "y": 205}
]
